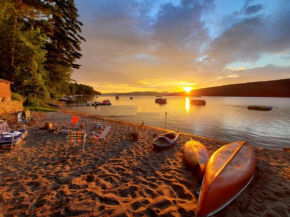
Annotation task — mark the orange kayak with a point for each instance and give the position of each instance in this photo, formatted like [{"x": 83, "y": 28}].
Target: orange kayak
[
  {"x": 196, "y": 156},
  {"x": 228, "y": 172}
]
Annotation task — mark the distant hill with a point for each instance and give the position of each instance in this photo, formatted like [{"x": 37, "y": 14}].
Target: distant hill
[
  {"x": 146, "y": 93},
  {"x": 277, "y": 88}
]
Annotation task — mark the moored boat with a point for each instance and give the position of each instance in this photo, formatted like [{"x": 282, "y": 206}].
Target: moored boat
[
  {"x": 53, "y": 105},
  {"x": 196, "y": 157},
  {"x": 261, "y": 108},
  {"x": 160, "y": 100},
  {"x": 96, "y": 103},
  {"x": 106, "y": 102},
  {"x": 166, "y": 140},
  {"x": 198, "y": 102},
  {"x": 228, "y": 172}
]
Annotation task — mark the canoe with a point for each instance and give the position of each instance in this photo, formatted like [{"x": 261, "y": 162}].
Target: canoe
[
  {"x": 228, "y": 172},
  {"x": 259, "y": 107},
  {"x": 198, "y": 102},
  {"x": 166, "y": 140},
  {"x": 196, "y": 157}
]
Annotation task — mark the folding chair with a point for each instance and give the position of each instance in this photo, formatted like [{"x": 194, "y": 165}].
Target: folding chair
[
  {"x": 19, "y": 118},
  {"x": 12, "y": 137},
  {"x": 100, "y": 125},
  {"x": 99, "y": 136},
  {"x": 76, "y": 137},
  {"x": 27, "y": 115}
]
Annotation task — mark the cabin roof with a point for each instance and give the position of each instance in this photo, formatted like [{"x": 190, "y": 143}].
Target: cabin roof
[{"x": 5, "y": 81}]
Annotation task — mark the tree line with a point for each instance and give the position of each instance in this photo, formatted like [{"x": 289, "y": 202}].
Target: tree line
[
  {"x": 276, "y": 88},
  {"x": 81, "y": 89},
  {"x": 39, "y": 44}
]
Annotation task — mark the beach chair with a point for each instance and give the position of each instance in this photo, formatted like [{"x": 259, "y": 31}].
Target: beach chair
[
  {"x": 100, "y": 125},
  {"x": 27, "y": 115},
  {"x": 76, "y": 137},
  {"x": 19, "y": 118},
  {"x": 12, "y": 137},
  {"x": 99, "y": 136}
]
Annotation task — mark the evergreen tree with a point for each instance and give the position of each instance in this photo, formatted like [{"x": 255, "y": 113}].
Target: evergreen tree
[
  {"x": 39, "y": 44},
  {"x": 22, "y": 50},
  {"x": 64, "y": 45}
]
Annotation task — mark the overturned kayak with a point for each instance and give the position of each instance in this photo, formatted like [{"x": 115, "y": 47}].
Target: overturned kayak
[
  {"x": 228, "y": 172},
  {"x": 166, "y": 140},
  {"x": 261, "y": 108},
  {"x": 196, "y": 156}
]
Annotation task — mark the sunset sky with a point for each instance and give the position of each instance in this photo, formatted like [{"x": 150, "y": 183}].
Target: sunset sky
[{"x": 165, "y": 45}]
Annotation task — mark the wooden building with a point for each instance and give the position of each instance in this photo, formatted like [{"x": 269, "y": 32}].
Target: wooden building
[{"x": 5, "y": 92}]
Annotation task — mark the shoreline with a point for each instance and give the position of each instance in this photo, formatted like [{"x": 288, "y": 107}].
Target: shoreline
[
  {"x": 119, "y": 177},
  {"x": 65, "y": 108},
  {"x": 137, "y": 124}
]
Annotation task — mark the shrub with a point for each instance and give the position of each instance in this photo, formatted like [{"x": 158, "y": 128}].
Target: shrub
[{"x": 17, "y": 97}]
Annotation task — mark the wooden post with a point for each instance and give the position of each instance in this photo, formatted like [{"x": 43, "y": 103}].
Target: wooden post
[{"x": 165, "y": 119}]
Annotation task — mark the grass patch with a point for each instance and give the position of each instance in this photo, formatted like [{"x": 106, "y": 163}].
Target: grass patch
[{"x": 41, "y": 109}]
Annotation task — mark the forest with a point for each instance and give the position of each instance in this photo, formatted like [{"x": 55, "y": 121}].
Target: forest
[
  {"x": 39, "y": 45},
  {"x": 277, "y": 88},
  {"x": 82, "y": 89}
]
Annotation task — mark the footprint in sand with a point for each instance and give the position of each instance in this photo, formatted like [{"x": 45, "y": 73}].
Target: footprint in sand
[
  {"x": 181, "y": 192},
  {"x": 136, "y": 205},
  {"x": 129, "y": 192},
  {"x": 33, "y": 185}
]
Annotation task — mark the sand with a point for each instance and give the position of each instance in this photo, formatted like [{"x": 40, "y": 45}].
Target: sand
[{"x": 119, "y": 177}]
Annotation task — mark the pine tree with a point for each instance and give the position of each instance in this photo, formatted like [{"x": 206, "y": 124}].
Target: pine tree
[{"x": 64, "y": 45}]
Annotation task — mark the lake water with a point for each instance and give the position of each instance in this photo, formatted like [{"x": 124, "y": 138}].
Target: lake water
[{"x": 223, "y": 118}]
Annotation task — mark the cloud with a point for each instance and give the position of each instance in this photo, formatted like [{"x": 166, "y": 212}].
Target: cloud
[
  {"x": 132, "y": 44},
  {"x": 265, "y": 73},
  {"x": 250, "y": 37},
  {"x": 253, "y": 9}
]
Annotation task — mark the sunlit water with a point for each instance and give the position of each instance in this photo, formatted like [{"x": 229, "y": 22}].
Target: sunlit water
[{"x": 223, "y": 118}]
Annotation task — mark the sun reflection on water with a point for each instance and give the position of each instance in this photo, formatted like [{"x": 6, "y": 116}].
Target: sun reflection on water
[{"x": 187, "y": 104}]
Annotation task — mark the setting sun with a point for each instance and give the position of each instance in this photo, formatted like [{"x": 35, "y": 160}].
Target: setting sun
[{"x": 187, "y": 89}]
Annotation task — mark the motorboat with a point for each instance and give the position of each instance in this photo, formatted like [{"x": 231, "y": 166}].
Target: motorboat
[
  {"x": 228, "y": 172},
  {"x": 198, "y": 102},
  {"x": 160, "y": 100},
  {"x": 106, "y": 102},
  {"x": 166, "y": 140},
  {"x": 96, "y": 103},
  {"x": 261, "y": 108}
]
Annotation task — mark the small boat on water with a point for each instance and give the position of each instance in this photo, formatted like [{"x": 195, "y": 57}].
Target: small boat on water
[
  {"x": 196, "y": 157},
  {"x": 261, "y": 108},
  {"x": 53, "y": 105},
  {"x": 63, "y": 99},
  {"x": 198, "y": 102},
  {"x": 106, "y": 102},
  {"x": 166, "y": 140},
  {"x": 96, "y": 103},
  {"x": 228, "y": 172},
  {"x": 160, "y": 100}
]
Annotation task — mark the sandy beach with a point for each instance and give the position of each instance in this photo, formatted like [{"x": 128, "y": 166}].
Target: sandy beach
[{"x": 120, "y": 177}]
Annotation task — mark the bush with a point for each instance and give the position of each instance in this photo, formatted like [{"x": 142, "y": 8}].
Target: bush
[
  {"x": 17, "y": 97},
  {"x": 34, "y": 102},
  {"x": 41, "y": 109}
]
